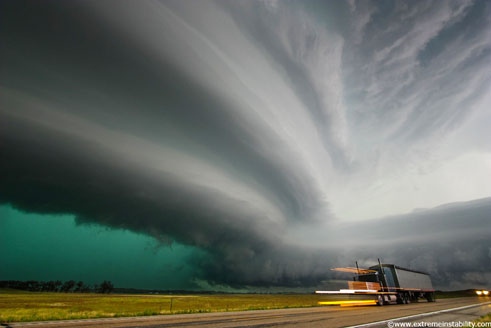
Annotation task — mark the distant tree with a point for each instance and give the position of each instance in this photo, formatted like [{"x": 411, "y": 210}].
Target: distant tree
[
  {"x": 106, "y": 287},
  {"x": 58, "y": 285},
  {"x": 33, "y": 286},
  {"x": 21, "y": 285},
  {"x": 67, "y": 286},
  {"x": 79, "y": 286},
  {"x": 85, "y": 289},
  {"x": 49, "y": 286}
]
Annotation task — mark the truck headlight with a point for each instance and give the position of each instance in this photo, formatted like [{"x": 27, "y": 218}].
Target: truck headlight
[
  {"x": 485, "y": 292},
  {"x": 478, "y": 292}
]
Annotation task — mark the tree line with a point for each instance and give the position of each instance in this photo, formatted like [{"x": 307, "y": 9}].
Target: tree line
[{"x": 70, "y": 286}]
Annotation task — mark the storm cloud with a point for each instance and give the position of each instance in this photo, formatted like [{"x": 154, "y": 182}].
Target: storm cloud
[{"x": 246, "y": 128}]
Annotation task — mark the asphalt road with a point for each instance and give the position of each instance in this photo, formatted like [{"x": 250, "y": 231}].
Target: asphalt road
[{"x": 305, "y": 317}]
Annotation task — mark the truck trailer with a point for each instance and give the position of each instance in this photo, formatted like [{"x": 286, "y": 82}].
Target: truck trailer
[{"x": 383, "y": 284}]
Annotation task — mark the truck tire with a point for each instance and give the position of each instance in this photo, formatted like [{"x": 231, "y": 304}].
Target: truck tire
[{"x": 380, "y": 300}]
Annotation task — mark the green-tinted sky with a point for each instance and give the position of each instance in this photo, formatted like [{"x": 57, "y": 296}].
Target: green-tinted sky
[{"x": 53, "y": 247}]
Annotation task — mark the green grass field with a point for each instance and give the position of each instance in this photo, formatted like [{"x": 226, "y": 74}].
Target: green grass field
[
  {"x": 485, "y": 318},
  {"x": 16, "y": 306},
  {"x": 33, "y": 306}
]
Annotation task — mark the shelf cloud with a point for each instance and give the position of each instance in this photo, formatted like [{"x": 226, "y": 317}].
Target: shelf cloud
[{"x": 259, "y": 132}]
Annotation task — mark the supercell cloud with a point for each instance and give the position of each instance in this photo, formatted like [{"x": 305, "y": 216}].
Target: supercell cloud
[{"x": 256, "y": 131}]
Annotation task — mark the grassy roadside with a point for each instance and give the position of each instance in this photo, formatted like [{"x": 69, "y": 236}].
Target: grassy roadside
[
  {"x": 485, "y": 318},
  {"x": 36, "y": 306},
  {"x": 454, "y": 294},
  {"x": 17, "y": 306}
]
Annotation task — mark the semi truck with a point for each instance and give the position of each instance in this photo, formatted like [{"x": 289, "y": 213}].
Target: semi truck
[{"x": 382, "y": 284}]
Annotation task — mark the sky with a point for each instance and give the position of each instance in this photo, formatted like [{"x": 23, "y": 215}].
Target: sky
[{"x": 244, "y": 144}]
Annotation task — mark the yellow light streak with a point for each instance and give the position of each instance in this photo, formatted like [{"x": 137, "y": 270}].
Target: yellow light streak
[{"x": 349, "y": 303}]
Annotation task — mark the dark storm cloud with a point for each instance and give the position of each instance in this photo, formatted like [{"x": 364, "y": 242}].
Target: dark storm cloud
[
  {"x": 92, "y": 126},
  {"x": 218, "y": 125},
  {"x": 50, "y": 172},
  {"x": 451, "y": 242},
  {"x": 123, "y": 89}
]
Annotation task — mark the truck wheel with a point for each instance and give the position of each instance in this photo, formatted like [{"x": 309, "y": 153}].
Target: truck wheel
[
  {"x": 380, "y": 300},
  {"x": 430, "y": 297}
]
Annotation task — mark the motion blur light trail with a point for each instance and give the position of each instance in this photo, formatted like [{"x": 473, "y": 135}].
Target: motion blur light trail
[{"x": 349, "y": 303}]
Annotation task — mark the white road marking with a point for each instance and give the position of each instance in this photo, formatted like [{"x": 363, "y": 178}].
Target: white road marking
[{"x": 418, "y": 315}]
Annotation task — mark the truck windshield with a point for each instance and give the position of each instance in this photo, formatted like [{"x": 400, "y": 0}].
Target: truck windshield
[
  {"x": 368, "y": 277},
  {"x": 389, "y": 277}
]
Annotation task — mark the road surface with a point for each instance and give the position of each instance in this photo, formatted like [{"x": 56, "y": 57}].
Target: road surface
[{"x": 304, "y": 317}]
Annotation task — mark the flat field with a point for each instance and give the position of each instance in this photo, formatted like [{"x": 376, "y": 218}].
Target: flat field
[{"x": 18, "y": 306}]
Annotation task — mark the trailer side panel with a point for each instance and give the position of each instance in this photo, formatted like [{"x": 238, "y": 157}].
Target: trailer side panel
[{"x": 413, "y": 280}]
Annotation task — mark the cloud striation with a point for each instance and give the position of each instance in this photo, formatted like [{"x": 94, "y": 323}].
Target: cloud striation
[{"x": 240, "y": 127}]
